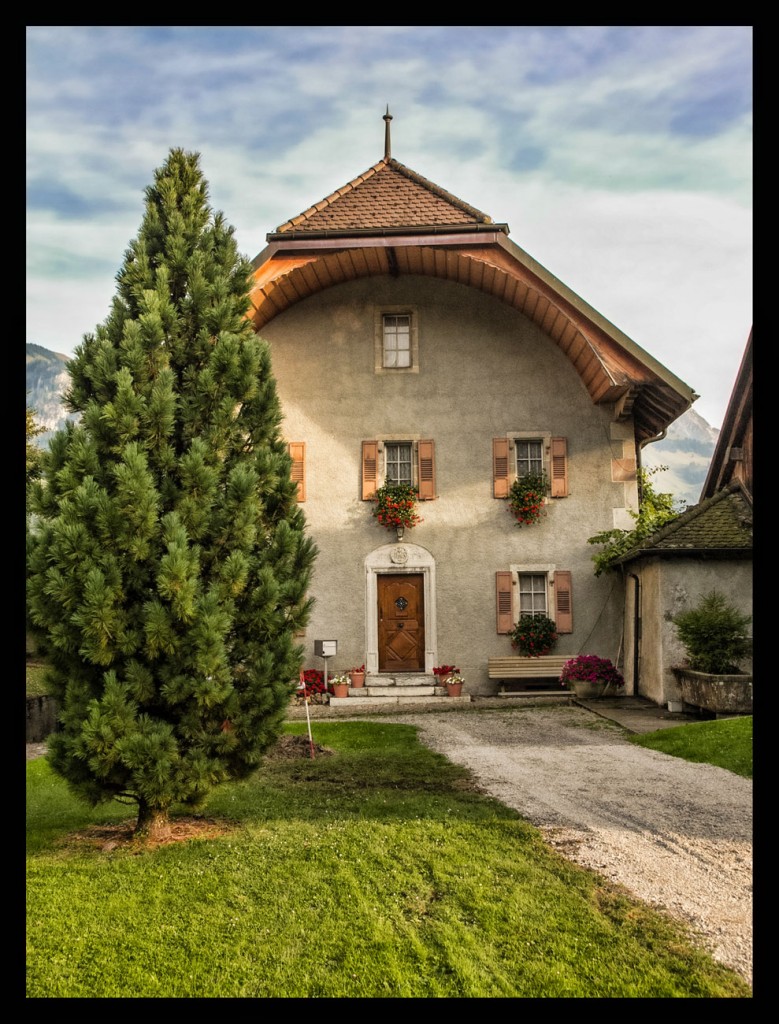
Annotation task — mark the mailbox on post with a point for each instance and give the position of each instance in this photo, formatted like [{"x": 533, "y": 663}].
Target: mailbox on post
[{"x": 325, "y": 649}]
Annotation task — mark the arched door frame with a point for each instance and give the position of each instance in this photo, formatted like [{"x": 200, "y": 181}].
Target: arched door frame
[{"x": 399, "y": 559}]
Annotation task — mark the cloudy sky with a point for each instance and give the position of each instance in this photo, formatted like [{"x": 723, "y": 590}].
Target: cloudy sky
[{"x": 619, "y": 156}]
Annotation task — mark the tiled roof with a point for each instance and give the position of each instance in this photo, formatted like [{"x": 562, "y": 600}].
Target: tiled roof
[
  {"x": 388, "y": 196},
  {"x": 722, "y": 523}
]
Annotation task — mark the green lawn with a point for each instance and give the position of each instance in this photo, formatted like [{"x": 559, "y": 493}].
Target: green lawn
[
  {"x": 726, "y": 742},
  {"x": 376, "y": 871}
]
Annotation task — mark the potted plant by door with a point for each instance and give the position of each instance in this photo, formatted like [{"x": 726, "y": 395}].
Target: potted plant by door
[
  {"x": 454, "y": 685},
  {"x": 357, "y": 676},
  {"x": 715, "y": 638},
  {"x": 340, "y": 684},
  {"x": 590, "y": 676},
  {"x": 442, "y": 672}
]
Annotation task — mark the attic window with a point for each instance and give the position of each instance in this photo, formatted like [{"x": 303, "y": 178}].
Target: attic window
[{"x": 397, "y": 340}]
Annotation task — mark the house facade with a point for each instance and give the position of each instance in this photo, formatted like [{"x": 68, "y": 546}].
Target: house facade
[{"x": 412, "y": 341}]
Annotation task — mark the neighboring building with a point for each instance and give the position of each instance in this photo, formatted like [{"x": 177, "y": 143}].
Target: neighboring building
[
  {"x": 709, "y": 547},
  {"x": 732, "y": 459},
  {"x": 412, "y": 340}
]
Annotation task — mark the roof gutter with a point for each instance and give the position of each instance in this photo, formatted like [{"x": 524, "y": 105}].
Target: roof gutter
[{"x": 411, "y": 230}]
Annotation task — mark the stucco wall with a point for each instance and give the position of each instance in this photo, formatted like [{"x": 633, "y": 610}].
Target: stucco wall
[
  {"x": 670, "y": 586},
  {"x": 484, "y": 371}
]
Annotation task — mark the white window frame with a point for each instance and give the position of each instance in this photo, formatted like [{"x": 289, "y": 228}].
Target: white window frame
[
  {"x": 381, "y": 468},
  {"x": 385, "y": 446},
  {"x": 378, "y": 352},
  {"x": 545, "y": 440},
  {"x": 546, "y": 569}
]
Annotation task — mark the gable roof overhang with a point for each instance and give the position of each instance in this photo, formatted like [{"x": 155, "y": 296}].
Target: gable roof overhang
[{"x": 392, "y": 221}]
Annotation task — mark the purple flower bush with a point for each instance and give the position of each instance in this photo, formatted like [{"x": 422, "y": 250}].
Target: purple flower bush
[{"x": 589, "y": 668}]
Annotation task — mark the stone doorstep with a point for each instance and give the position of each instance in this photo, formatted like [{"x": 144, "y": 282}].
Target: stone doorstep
[
  {"x": 356, "y": 702},
  {"x": 401, "y": 679},
  {"x": 394, "y": 691}
]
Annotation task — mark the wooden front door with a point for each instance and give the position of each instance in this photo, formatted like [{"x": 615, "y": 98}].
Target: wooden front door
[{"x": 401, "y": 600}]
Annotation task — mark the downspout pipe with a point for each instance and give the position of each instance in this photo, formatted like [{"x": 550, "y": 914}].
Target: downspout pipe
[
  {"x": 640, "y": 447},
  {"x": 636, "y": 581},
  {"x": 636, "y": 628}
]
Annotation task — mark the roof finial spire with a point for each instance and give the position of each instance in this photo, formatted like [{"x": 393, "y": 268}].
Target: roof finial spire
[{"x": 387, "y": 148}]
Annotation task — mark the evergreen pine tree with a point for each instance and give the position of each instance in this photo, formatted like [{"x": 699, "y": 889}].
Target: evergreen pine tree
[{"x": 170, "y": 565}]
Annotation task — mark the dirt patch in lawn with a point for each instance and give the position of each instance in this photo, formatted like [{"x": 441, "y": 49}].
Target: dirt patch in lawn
[{"x": 181, "y": 829}]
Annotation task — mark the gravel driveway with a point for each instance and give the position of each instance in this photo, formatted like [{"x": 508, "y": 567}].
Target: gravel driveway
[{"x": 678, "y": 835}]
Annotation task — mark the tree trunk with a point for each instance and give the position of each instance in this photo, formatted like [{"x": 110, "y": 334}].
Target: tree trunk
[{"x": 153, "y": 824}]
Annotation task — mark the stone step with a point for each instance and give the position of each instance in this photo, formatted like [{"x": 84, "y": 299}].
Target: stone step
[
  {"x": 359, "y": 699},
  {"x": 395, "y": 690},
  {"x": 401, "y": 679}
]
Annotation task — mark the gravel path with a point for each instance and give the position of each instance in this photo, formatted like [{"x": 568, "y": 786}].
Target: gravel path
[{"x": 678, "y": 835}]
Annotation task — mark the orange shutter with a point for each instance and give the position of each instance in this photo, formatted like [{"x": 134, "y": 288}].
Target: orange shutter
[
  {"x": 500, "y": 467},
  {"x": 563, "y": 602},
  {"x": 370, "y": 469},
  {"x": 297, "y": 452},
  {"x": 505, "y": 619},
  {"x": 426, "y": 470},
  {"x": 559, "y": 467}
]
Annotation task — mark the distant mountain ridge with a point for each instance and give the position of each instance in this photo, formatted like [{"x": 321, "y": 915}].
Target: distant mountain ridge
[
  {"x": 686, "y": 450},
  {"x": 47, "y": 379}
]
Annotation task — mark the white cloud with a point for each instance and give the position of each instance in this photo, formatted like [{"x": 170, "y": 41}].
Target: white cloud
[{"x": 620, "y": 156}]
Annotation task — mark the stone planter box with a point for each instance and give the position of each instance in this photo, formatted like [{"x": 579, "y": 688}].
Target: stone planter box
[{"x": 721, "y": 694}]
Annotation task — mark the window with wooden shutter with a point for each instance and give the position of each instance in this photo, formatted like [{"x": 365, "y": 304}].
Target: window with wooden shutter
[
  {"x": 398, "y": 463},
  {"x": 500, "y": 467},
  {"x": 370, "y": 469},
  {"x": 297, "y": 452},
  {"x": 505, "y": 617},
  {"x": 426, "y": 470},
  {"x": 563, "y": 602},
  {"x": 559, "y": 467}
]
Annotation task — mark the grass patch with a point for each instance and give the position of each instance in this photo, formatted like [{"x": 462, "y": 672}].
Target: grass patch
[
  {"x": 36, "y": 670},
  {"x": 725, "y": 742},
  {"x": 376, "y": 871}
]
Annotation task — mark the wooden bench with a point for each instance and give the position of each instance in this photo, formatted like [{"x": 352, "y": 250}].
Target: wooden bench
[{"x": 518, "y": 668}]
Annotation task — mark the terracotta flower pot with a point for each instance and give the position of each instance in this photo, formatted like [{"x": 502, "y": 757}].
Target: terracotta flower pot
[
  {"x": 340, "y": 690},
  {"x": 454, "y": 689},
  {"x": 357, "y": 678}
]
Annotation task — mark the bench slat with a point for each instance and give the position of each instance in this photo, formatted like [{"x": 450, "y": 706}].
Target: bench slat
[{"x": 544, "y": 667}]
